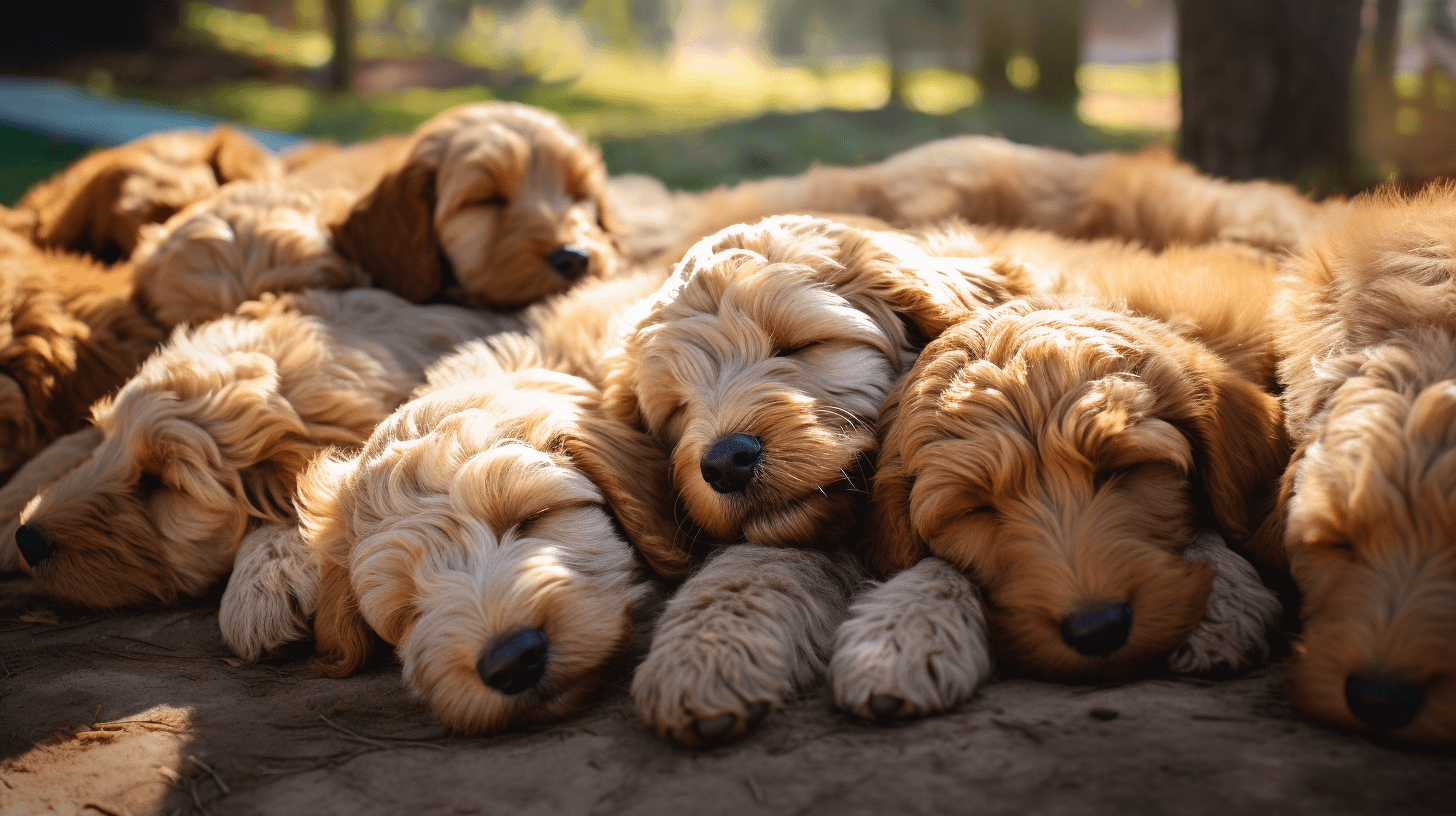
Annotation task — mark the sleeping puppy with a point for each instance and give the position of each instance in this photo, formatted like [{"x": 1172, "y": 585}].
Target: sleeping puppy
[
  {"x": 203, "y": 446},
  {"x": 68, "y": 337},
  {"x": 1368, "y": 361},
  {"x": 1066, "y": 457},
  {"x": 248, "y": 239},
  {"x": 99, "y": 204},
  {"x": 761, "y": 366},
  {"x": 494, "y": 204},
  {"x": 486, "y": 530}
]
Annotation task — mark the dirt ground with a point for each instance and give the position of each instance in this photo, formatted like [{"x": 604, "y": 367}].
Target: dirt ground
[{"x": 146, "y": 713}]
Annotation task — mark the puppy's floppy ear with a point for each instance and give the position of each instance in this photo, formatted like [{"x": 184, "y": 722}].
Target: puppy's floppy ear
[
  {"x": 343, "y": 640},
  {"x": 391, "y": 231},
  {"x": 632, "y": 472},
  {"x": 888, "y": 542},
  {"x": 73, "y": 209},
  {"x": 1241, "y": 448},
  {"x": 235, "y": 155}
]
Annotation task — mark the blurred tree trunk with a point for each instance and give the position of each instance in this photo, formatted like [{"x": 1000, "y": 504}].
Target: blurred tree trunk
[
  {"x": 341, "y": 68},
  {"x": 1266, "y": 88},
  {"x": 998, "y": 43},
  {"x": 1056, "y": 45}
]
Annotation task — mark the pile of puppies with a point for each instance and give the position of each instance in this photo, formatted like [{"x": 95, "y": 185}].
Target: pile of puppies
[{"x": 461, "y": 393}]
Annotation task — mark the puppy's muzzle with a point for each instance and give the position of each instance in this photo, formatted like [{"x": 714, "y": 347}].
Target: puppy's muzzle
[
  {"x": 1383, "y": 704},
  {"x": 729, "y": 464},
  {"x": 516, "y": 663},
  {"x": 570, "y": 261},
  {"x": 1098, "y": 631},
  {"x": 34, "y": 547}
]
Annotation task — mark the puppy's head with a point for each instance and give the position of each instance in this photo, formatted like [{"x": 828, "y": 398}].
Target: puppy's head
[
  {"x": 197, "y": 447},
  {"x": 481, "y": 532},
  {"x": 99, "y": 204},
  {"x": 1064, "y": 458},
  {"x": 1370, "y": 532},
  {"x": 248, "y": 239},
  {"x": 764, "y": 361},
  {"x": 497, "y": 204}
]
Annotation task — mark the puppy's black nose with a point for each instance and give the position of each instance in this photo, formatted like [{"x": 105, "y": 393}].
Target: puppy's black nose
[
  {"x": 33, "y": 545},
  {"x": 1383, "y": 704},
  {"x": 570, "y": 261},
  {"x": 1098, "y": 631},
  {"x": 728, "y": 466},
  {"x": 516, "y": 663}
]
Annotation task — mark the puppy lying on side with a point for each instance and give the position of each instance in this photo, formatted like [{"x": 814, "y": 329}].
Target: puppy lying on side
[
  {"x": 761, "y": 367},
  {"x": 99, "y": 204},
  {"x": 203, "y": 446},
  {"x": 495, "y": 204},
  {"x": 1368, "y": 361},
  {"x": 1065, "y": 458},
  {"x": 248, "y": 239},
  {"x": 68, "y": 337},
  {"x": 481, "y": 532},
  {"x": 1149, "y": 197}
]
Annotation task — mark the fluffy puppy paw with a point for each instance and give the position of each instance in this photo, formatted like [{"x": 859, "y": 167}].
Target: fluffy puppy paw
[
  {"x": 914, "y": 645},
  {"x": 272, "y": 592},
  {"x": 1234, "y": 633},
  {"x": 736, "y": 641}
]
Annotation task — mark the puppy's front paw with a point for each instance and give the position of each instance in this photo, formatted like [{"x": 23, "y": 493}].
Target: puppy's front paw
[
  {"x": 1234, "y": 633},
  {"x": 912, "y": 646},
  {"x": 271, "y": 595}
]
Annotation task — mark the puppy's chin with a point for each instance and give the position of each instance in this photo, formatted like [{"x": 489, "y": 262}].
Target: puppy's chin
[
  {"x": 586, "y": 628},
  {"x": 1165, "y": 594},
  {"x": 495, "y": 267},
  {"x": 107, "y": 567}
]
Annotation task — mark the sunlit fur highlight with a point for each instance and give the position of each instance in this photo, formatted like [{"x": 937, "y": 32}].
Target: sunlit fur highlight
[
  {"x": 100, "y": 204},
  {"x": 249, "y": 239},
  {"x": 484, "y": 506},
  {"x": 68, "y": 337},
  {"x": 205, "y": 443},
  {"x": 791, "y": 330},
  {"x": 1370, "y": 377},
  {"x": 495, "y": 188},
  {"x": 1063, "y": 456},
  {"x": 1148, "y": 197}
]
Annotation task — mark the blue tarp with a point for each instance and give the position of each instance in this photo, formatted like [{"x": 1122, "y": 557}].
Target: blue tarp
[{"x": 70, "y": 112}]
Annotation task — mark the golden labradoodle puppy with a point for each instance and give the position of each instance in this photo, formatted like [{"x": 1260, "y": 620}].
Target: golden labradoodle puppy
[
  {"x": 248, "y": 239},
  {"x": 1065, "y": 457},
  {"x": 494, "y": 204},
  {"x": 761, "y": 367},
  {"x": 1149, "y": 196},
  {"x": 100, "y": 203},
  {"x": 1369, "y": 368},
  {"x": 203, "y": 446},
  {"x": 68, "y": 337},
  {"x": 487, "y": 531}
]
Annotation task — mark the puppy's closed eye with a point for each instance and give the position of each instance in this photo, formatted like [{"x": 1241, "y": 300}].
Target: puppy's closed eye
[
  {"x": 496, "y": 200},
  {"x": 793, "y": 350}
]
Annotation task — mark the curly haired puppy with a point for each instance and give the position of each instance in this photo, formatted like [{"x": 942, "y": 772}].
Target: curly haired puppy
[
  {"x": 1149, "y": 196},
  {"x": 203, "y": 446},
  {"x": 1064, "y": 457},
  {"x": 68, "y": 337},
  {"x": 495, "y": 204},
  {"x": 486, "y": 531},
  {"x": 761, "y": 367},
  {"x": 100, "y": 203},
  {"x": 248, "y": 239},
  {"x": 1369, "y": 367}
]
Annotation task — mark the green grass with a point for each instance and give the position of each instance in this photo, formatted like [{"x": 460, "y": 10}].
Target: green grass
[{"x": 26, "y": 158}]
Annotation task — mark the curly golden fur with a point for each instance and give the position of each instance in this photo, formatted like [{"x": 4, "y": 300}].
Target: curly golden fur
[
  {"x": 481, "y": 513},
  {"x": 204, "y": 444},
  {"x": 68, "y": 337},
  {"x": 1149, "y": 196},
  {"x": 1370, "y": 526},
  {"x": 249, "y": 239},
  {"x": 499, "y": 196},
  {"x": 1064, "y": 456},
  {"x": 788, "y": 333},
  {"x": 100, "y": 203}
]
